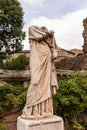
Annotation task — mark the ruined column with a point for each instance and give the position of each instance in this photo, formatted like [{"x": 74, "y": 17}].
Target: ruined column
[{"x": 85, "y": 35}]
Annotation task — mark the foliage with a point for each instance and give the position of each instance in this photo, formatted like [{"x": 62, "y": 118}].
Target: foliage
[
  {"x": 77, "y": 126},
  {"x": 69, "y": 102},
  {"x": 11, "y": 24},
  {"x": 2, "y": 57},
  {"x": 71, "y": 97},
  {"x": 2, "y": 126},
  {"x": 11, "y": 96},
  {"x": 18, "y": 63}
]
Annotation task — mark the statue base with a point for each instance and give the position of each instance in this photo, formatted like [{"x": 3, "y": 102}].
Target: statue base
[{"x": 50, "y": 123}]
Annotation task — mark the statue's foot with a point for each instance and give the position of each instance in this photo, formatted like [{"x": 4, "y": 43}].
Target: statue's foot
[{"x": 36, "y": 117}]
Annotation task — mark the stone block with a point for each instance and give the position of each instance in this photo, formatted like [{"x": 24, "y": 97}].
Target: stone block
[{"x": 51, "y": 123}]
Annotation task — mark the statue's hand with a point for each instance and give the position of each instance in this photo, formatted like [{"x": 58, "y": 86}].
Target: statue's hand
[{"x": 51, "y": 32}]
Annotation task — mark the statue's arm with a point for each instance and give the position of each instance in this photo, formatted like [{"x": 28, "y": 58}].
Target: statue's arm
[{"x": 37, "y": 34}]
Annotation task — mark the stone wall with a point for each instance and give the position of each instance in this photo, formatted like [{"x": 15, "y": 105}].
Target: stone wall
[
  {"x": 62, "y": 54},
  {"x": 76, "y": 63},
  {"x": 10, "y": 120}
]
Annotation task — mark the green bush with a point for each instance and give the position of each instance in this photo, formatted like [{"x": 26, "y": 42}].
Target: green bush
[
  {"x": 11, "y": 96},
  {"x": 69, "y": 102},
  {"x": 19, "y": 63},
  {"x": 71, "y": 97},
  {"x": 2, "y": 57}
]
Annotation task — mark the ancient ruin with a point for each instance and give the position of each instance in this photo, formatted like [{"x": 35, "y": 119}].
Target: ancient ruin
[
  {"x": 85, "y": 35},
  {"x": 24, "y": 75},
  {"x": 79, "y": 62}
]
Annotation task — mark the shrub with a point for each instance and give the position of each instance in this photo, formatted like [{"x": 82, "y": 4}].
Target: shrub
[
  {"x": 19, "y": 63},
  {"x": 11, "y": 96},
  {"x": 2, "y": 57},
  {"x": 71, "y": 97}
]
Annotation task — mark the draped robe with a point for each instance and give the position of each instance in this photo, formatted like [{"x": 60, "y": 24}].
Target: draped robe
[{"x": 43, "y": 75}]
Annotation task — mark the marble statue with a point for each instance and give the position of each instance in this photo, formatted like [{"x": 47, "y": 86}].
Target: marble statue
[{"x": 43, "y": 86}]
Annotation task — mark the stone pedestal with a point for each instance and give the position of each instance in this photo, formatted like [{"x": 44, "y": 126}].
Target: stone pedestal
[{"x": 51, "y": 123}]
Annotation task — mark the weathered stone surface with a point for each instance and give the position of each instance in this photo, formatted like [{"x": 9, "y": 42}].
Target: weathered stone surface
[
  {"x": 51, "y": 123},
  {"x": 85, "y": 35},
  {"x": 43, "y": 74},
  {"x": 10, "y": 120},
  {"x": 14, "y": 75},
  {"x": 77, "y": 63}
]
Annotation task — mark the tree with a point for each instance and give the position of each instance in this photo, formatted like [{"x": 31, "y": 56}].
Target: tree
[{"x": 11, "y": 24}]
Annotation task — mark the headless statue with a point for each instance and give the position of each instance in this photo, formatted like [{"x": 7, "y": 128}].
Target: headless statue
[{"x": 43, "y": 75}]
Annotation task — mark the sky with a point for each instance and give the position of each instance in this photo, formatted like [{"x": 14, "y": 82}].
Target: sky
[{"x": 65, "y": 17}]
